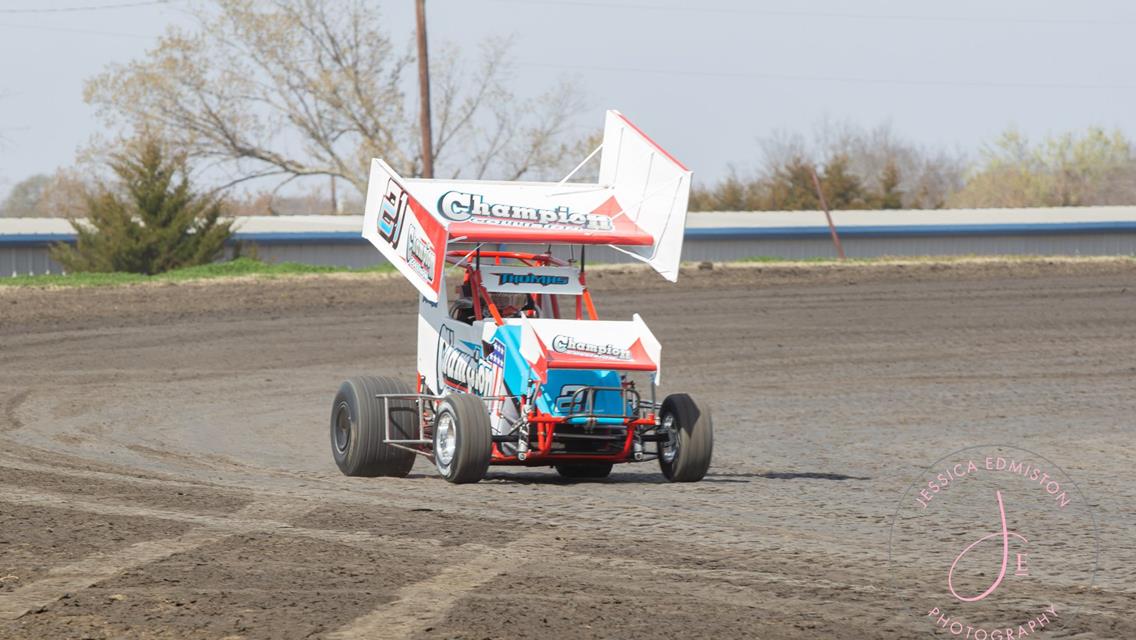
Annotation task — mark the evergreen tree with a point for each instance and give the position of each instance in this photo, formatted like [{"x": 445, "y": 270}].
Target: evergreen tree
[
  {"x": 152, "y": 222},
  {"x": 791, "y": 187},
  {"x": 889, "y": 196},
  {"x": 842, "y": 189}
]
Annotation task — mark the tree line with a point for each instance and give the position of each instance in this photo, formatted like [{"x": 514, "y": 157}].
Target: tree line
[
  {"x": 278, "y": 106},
  {"x": 875, "y": 169},
  {"x": 857, "y": 169}
]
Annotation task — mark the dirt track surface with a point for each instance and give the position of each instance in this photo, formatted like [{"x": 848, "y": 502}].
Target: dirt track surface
[{"x": 165, "y": 469}]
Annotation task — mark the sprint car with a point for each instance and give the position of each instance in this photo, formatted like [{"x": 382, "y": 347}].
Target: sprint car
[{"x": 514, "y": 366}]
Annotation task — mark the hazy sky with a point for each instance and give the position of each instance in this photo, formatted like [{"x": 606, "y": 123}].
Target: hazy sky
[{"x": 706, "y": 79}]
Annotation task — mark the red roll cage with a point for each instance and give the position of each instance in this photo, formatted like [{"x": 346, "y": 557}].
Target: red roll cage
[
  {"x": 470, "y": 261},
  {"x": 545, "y": 425}
]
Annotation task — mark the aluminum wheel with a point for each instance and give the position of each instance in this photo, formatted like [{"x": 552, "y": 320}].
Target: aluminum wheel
[
  {"x": 342, "y": 427},
  {"x": 669, "y": 449},
  {"x": 447, "y": 441}
]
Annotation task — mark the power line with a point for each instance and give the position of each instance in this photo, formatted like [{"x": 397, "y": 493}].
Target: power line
[
  {"x": 843, "y": 79},
  {"x": 78, "y": 30},
  {"x": 96, "y": 7},
  {"x": 822, "y": 14}
]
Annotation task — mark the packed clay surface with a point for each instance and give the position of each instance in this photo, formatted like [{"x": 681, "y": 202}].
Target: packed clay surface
[{"x": 165, "y": 467}]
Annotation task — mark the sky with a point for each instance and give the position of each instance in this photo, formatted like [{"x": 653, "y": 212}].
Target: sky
[{"x": 706, "y": 79}]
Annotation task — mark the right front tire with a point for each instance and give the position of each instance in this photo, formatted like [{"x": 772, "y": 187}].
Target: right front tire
[
  {"x": 463, "y": 439},
  {"x": 685, "y": 456}
]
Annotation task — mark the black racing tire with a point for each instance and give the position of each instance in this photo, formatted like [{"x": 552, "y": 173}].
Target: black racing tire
[
  {"x": 584, "y": 470},
  {"x": 358, "y": 428},
  {"x": 693, "y": 428},
  {"x": 463, "y": 439}
]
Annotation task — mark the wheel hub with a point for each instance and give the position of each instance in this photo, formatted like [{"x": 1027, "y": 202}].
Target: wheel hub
[
  {"x": 670, "y": 446},
  {"x": 342, "y": 428},
  {"x": 445, "y": 442}
]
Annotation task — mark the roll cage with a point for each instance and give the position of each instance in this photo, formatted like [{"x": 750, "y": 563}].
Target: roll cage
[
  {"x": 593, "y": 423},
  {"x": 470, "y": 261}
]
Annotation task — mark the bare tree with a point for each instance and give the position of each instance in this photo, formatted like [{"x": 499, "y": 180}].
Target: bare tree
[
  {"x": 286, "y": 89},
  {"x": 495, "y": 132},
  {"x": 24, "y": 199},
  {"x": 58, "y": 195}
]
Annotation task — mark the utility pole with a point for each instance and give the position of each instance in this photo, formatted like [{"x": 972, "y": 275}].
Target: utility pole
[
  {"x": 424, "y": 95},
  {"x": 827, "y": 215}
]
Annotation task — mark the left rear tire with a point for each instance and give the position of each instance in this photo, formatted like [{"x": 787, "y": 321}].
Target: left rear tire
[{"x": 359, "y": 425}]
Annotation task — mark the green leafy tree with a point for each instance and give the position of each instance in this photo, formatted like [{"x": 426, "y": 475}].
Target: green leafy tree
[
  {"x": 151, "y": 221},
  {"x": 1093, "y": 168}
]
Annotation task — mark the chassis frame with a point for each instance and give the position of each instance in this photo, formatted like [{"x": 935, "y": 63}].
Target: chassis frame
[
  {"x": 631, "y": 430},
  {"x": 532, "y": 438}
]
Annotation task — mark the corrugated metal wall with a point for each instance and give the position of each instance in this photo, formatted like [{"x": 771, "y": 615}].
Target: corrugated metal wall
[
  {"x": 696, "y": 250},
  {"x": 355, "y": 255},
  {"x": 28, "y": 260}
]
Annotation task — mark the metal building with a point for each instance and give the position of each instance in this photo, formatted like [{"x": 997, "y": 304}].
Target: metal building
[{"x": 715, "y": 236}]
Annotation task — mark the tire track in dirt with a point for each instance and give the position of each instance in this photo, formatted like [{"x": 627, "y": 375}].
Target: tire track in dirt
[
  {"x": 421, "y": 605},
  {"x": 93, "y": 569},
  {"x": 241, "y": 523},
  {"x": 554, "y": 510},
  {"x": 103, "y": 565},
  {"x": 11, "y": 406}
]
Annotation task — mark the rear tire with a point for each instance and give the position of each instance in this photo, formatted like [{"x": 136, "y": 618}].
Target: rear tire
[
  {"x": 686, "y": 456},
  {"x": 584, "y": 470},
  {"x": 358, "y": 423},
  {"x": 463, "y": 439}
]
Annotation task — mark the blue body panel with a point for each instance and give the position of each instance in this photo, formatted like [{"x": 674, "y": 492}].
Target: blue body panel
[
  {"x": 557, "y": 392},
  {"x": 595, "y": 421},
  {"x": 507, "y": 347}
]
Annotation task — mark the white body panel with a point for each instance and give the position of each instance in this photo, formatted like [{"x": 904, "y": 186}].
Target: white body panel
[
  {"x": 407, "y": 234},
  {"x": 599, "y": 344},
  {"x": 638, "y": 206},
  {"x": 449, "y": 360},
  {"x": 653, "y": 188}
]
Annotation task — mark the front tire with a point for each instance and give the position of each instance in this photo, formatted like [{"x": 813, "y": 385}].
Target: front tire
[
  {"x": 685, "y": 456},
  {"x": 358, "y": 425},
  {"x": 463, "y": 439}
]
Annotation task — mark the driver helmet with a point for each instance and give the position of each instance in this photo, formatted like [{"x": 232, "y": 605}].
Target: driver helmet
[{"x": 509, "y": 304}]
